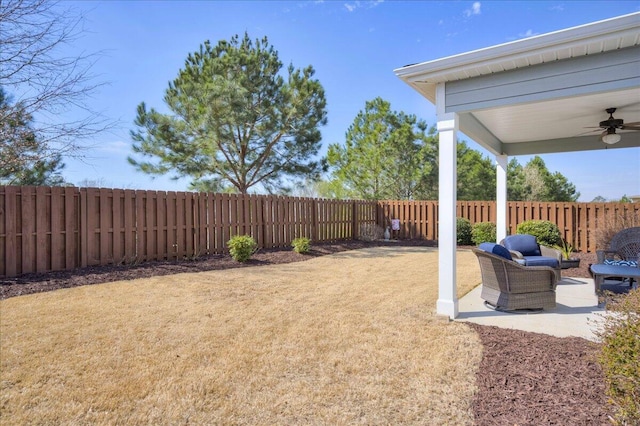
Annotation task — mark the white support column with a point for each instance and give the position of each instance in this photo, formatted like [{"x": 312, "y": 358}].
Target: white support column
[
  {"x": 447, "y": 128},
  {"x": 501, "y": 197}
]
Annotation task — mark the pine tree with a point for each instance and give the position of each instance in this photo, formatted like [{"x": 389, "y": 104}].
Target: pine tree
[{"x": 235, "y": 121}]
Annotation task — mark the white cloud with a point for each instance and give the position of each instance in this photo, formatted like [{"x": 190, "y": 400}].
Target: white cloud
[
  {"x": 528, "y": 33},
  {"x": 358, "y": 4},
  {"x": 558, "y": 8},
  {"x": 475, "y": 10},
  {"x": 352, "y": 6}
]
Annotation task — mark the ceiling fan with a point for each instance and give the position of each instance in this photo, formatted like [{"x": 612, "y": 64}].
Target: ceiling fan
[{"x": 609, "y": 136}]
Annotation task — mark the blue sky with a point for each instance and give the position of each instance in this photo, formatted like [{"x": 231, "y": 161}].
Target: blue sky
[{"x": 354, "y": 47}]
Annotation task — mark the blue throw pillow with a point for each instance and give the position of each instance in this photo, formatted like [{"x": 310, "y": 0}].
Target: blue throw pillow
[
  {"x": 524, "y": 243},
  {"x": 621, "y": 263},
  {"x": 496, "y": 249}
]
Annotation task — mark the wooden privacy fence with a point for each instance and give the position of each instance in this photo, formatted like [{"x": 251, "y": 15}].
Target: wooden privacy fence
[
  {"x": 577, "y": 222},
  {"x": 54, "y": 228},
  {"x": 46, "y": 229}
]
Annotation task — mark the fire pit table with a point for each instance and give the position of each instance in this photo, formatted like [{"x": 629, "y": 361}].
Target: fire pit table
[{"x": 602, "y": 271}]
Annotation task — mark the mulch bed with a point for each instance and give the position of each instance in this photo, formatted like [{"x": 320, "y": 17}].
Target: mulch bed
[{"x": 524, "y": 378}]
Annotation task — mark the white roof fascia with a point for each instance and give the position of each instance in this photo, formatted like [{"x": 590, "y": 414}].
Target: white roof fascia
[{"x": 424, "y": 76}]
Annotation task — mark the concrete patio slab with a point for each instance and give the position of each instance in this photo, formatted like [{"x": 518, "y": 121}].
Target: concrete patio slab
[{"x": 577, "y": 312}]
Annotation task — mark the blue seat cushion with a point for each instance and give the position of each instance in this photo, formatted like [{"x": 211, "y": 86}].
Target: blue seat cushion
[
  {"x": 632, "y": 263},
  {"x": 496, "y": 249},
  {"x": 541, "y": 261},
  {"x": 524, "y": 243}
]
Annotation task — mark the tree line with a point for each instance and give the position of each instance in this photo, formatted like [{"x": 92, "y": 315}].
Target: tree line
[{"x": 238, "y": 121}]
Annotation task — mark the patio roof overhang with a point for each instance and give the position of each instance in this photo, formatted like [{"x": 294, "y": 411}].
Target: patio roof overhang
[
  {"x": 538, "y": 95},
  {"x": 542, "y": 94}
]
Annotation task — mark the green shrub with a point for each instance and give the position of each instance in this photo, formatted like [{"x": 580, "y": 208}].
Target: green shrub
[
  {"x": 241, "y": 247},
  {"x": 301, "y": 245},
  {"x": 620, "y": 356},
  {"x": 546, "y": 233},
  {"x": 482, "y": 232},
  {"x": 463, "y": 231}
]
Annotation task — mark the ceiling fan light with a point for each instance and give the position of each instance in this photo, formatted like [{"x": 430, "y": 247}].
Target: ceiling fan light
[{"x": 611, "y": 138}]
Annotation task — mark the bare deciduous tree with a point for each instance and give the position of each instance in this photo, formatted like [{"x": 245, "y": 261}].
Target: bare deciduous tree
[{"x": 47, "y": 83}]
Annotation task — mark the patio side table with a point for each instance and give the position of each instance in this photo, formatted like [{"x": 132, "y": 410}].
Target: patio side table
[{"x": 602, "y": 271}]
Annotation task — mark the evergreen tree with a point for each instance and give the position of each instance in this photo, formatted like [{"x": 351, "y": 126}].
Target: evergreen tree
[
  {"x": 386, "y": 155},
  {"x": 534, "y": 182},
  {"x": 476, "y": 175},
  {"x": 235, "y": 121},
  {"x": 24, "y": 159}
]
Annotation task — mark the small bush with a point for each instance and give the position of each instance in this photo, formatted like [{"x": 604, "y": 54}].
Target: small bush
[
  {"x": 301, "y": 245},
  {"x": 241, "y": 247},
  {"x": 463, "y": 231},
  {"x": 546, "y": 233},
  {"x": 482, "y": 232},
  {"x": 620, "y": 356}
]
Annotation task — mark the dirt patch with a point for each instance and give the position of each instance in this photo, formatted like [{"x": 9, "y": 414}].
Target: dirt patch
[{"x": 524, "y": 378}]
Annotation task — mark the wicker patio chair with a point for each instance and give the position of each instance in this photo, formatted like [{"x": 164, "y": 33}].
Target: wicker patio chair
[
  {"x": 624, "y": 248},
  {"x": 509, "y": 286}
]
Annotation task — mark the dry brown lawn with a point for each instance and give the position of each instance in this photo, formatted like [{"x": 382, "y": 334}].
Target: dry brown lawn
[{"x": 348, "y": 338}]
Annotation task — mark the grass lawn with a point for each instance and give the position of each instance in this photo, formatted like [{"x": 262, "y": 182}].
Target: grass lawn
[{"x": 342, "y": 339}]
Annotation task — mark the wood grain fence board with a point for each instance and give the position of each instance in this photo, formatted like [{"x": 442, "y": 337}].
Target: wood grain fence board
[
  {"x": 209, "y": 211},
  {"x": 225, "y": 204},
  {"x": 292, "y": 221},
  {"x": 180, "y": 224},
  {"x": 106, "y": 225},
  {"x": 328, "y": 220},
  {"x": 267, "y": 221},
  {"x": 181, "y": 211},
  {"x": 171, "y": 240},
  {"x": 233, "y": 215},
  {"x": 219, "y": 224},
  {"x": 258, "y": 229},
  {"x": 159, "y": 225},
  {"x": 584, "y": 217},
  {"x": 129, "y": 221},
  {"x": 43, "y": 229},
  {"x": 57, "y": 235},
  {"x": 160, "y": 219},
  {"x": 151, "y": 214},
  {"x": 10, "y": 243},
  {"x": 116, "y": 224},
  {"x": 72, "y": 228},
  {"x": 245, "y": 214},
  {"x": 28, "y": 228},
  {"x": 92, "y": 216},
  {"x": 278, "y": 221},
  {"x": 203, "y": 240},
  {"x": 191, "y": 224},
  {"x": 151, "y": 239},
  {"x": 278, "y": 216}
]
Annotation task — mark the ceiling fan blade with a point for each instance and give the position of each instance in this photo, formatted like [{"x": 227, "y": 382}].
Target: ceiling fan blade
[
  {"x": 625, "y": 127},
  {"x": 636, "y": 123},
  {"x": 589, "y": 132}
]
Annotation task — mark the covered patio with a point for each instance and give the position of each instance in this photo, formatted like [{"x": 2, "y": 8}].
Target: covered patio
[{"x": 543, "y": 94}]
